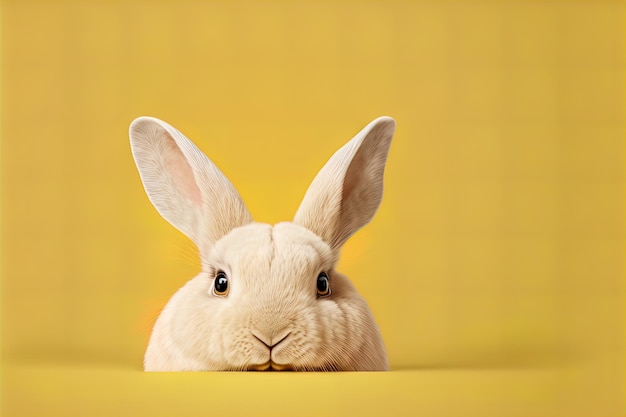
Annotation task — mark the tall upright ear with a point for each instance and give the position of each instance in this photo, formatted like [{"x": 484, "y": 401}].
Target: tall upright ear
[
  {"x": 346, "y": 193},
  {"x": 186, "y": 188}
]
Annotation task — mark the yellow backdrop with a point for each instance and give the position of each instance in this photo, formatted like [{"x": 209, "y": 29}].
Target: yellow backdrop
[{"x": 494, "y": 267}]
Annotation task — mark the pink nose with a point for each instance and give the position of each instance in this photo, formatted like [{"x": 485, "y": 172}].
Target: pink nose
[{"x": 270, "y": 342}]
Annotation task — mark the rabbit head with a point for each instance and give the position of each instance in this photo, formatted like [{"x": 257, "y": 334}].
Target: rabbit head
[{"x": 268, "y": 297}]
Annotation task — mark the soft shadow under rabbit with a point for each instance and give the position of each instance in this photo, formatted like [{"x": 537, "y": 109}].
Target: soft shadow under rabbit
[{"x": 268, "y": 297}]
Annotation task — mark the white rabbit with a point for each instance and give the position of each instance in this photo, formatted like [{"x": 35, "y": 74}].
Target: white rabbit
[{"x": 268, "y": 297}]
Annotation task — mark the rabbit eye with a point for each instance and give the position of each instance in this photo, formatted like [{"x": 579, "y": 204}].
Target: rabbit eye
[
  {"x": 323, "y": 285},
  {"x": 220, "y": 286}
]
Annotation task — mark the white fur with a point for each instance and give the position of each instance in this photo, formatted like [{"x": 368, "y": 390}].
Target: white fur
[{"x": 272, "y": 270}]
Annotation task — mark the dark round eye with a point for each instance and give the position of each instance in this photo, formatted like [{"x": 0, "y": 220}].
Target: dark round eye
[
  {"x": 220, "y": 286},
  {"x": 323, "y": 285}
]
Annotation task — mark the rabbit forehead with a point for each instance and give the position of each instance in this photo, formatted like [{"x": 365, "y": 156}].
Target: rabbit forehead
[
  {"x": 293, "y": 242},
  {"x": 264, "y": 252}
]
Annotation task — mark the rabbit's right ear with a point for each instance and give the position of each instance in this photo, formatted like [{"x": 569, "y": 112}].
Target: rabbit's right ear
[
  {"x": 346, "y": 193},
  {"x": 186, "y": 188}
]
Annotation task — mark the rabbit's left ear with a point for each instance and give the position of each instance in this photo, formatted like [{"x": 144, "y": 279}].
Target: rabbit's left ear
[
  {"x": 186, "y": 188},
  {"x": 346, "y": 193}
]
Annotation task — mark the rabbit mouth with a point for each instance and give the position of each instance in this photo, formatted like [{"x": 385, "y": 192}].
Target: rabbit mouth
[{"x": 271, "y": 366}]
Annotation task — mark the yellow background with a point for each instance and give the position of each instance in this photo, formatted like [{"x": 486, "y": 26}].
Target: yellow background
[{"x": 494, "y": 267}]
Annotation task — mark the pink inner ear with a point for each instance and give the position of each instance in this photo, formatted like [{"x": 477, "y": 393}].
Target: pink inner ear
[{"x": 181, "y": 172}]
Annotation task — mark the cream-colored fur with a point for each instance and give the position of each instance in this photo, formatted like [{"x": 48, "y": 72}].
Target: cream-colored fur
[{"x": 271, "y": 317}]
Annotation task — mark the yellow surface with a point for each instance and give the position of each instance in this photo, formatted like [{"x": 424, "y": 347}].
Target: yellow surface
[{"x": 494, "y": 267}]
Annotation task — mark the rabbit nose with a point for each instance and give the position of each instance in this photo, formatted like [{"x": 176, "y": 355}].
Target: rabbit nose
[{"x": 270, "y": 341}]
